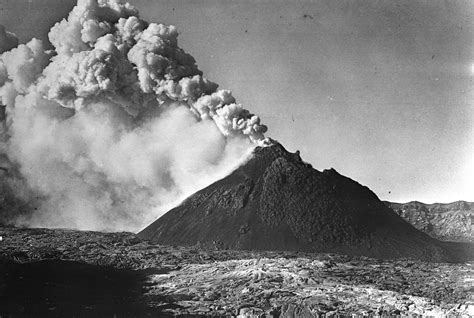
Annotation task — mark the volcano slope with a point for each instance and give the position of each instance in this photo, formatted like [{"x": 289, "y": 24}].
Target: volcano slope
[{"x": 275, "y": 201}]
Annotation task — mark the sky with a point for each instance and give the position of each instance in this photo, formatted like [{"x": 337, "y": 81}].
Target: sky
[{"x": 382, "y": 91}]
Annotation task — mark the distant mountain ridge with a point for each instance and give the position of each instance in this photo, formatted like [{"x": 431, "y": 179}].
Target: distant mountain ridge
[{"x": 445, "y": 221}]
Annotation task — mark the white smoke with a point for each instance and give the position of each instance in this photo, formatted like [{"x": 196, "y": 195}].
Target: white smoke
[{"x": 116, "y": 124}]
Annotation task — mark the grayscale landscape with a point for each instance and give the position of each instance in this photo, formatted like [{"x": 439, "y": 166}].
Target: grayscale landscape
[
  {"x": 133, "y": 185},
  {"x": 73, "y": 273}
]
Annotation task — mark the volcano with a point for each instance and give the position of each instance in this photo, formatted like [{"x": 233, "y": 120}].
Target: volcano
[{"x": 276, "y": 201}]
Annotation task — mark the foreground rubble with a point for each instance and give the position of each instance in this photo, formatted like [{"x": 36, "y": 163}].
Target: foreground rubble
[
  {"x": 183, "y": 281},
  {"x": 311, "y": 287}
]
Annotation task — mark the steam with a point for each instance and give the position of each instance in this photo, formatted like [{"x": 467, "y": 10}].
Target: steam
[{"x": 115, "y": 125}]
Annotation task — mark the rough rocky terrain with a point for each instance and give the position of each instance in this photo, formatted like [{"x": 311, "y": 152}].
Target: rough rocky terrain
[
  {"x": 275, "y": 201},
  {"x": 65, "y": 273},
  {"x": 444, "y": 221}
]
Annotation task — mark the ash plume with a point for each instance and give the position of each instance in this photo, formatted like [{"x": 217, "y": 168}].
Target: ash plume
[{"x": 113, "y": 126}]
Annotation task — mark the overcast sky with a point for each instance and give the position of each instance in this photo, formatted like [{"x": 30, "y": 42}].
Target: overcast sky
[{"x": 382, "y": 91}]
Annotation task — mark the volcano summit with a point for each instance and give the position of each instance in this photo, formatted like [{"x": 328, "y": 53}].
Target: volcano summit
[{"x": 275, "y": 201}]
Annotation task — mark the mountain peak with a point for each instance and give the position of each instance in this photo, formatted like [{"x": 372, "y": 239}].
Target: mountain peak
[
  {"x": 274, "y": 150},
  {"x": 276, "y": 201}
]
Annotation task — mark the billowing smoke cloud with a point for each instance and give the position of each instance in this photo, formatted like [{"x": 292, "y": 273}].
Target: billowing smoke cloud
[{"x": 116, "y": 124}]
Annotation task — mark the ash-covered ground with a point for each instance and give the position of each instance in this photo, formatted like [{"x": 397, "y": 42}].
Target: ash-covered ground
[{"x": 66, "y": 273}]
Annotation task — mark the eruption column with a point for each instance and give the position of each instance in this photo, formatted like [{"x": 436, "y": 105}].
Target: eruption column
[{"x": 116, "y": 124}]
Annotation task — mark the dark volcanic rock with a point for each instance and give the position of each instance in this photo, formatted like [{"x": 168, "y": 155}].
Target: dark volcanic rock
[
  {"x": 276, "y": 201},
  {"x": 55, "y": 288}
]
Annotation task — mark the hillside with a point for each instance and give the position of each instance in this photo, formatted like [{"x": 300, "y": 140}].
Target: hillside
[
  {"x": 444, "y": 221},
  {"x": 276, "y": 201}
]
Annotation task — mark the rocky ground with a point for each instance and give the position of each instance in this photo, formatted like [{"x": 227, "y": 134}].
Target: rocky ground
[{"x": 65, "y": 272}]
